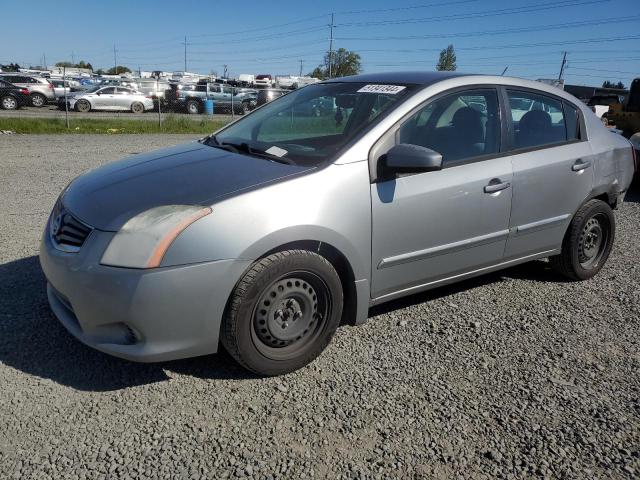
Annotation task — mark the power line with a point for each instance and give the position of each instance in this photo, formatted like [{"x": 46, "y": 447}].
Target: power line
[
  {"x": 482, "y": 33},
  {"x": 413, "y": 7},
  {"x": 487, "y": 13}
]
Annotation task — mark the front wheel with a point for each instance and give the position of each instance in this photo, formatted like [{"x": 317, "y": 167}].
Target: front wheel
[
  {"x": 137, "y": 107},
  {"x": 283, "y": 313},
  {"x": 83, "y": 106},
  {"x": 587, "y": 243}
]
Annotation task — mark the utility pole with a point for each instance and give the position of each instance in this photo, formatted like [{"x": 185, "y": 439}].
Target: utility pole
[
  {"x": 331, "y": 27},
  {"x": 562, "y": 66},
  {"x": 115, "y": 59},
  {"x": 225, "y": 71},
  {"x": 73, "y": 58},
  {"x": 44, "y": 58},
  {"x": 301, "y": 62},
  {"x": 185, "y": 52}
]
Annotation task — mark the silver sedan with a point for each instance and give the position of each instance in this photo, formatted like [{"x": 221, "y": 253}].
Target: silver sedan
[
  {"x": 270, "y": 233},
  {"x": 111, "y": 98}
]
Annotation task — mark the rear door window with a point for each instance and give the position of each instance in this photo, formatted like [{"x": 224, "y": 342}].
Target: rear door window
[
  {"x": 571, "y": 120},
  {"x": 536, "y": 119}
]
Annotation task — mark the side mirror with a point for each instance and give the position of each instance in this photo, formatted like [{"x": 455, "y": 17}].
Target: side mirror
[
  {"x": 407, "y": 158},
  {"x": 98, "y": 93}
]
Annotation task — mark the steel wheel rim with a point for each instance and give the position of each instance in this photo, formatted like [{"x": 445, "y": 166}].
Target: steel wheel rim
[
  {"x": 290, "y": 315},
  {"x": 193, "y": 108},
  {"x": 37, "y": 101},
  {"x": 83, "y": 106},
  {"x": 593, "y": 241},
  {"x": 136, "y": 108},
  {"x": 9, "y": 103}
]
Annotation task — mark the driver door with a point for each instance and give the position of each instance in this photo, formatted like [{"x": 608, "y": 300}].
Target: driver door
[
  {"x": 428, "y": 227},
  {"x": 104, "y": 101}
]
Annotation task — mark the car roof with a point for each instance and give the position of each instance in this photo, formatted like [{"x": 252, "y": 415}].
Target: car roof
[{"x": 414, "y": 77}]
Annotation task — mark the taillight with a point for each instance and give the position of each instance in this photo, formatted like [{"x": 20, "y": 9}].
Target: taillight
[
  {"x": 24, "y": 91},
  {"x": 51, "y": 86}
]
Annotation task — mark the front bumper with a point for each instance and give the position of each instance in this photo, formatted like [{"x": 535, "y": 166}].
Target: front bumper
[{"x": 141, "y": 315}]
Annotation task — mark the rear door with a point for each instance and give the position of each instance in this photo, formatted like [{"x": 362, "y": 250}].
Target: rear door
[
  {"x": 122, "y": 98},
  {"x": 432, "y": 226},
  {"x": 552, "y": 170}
]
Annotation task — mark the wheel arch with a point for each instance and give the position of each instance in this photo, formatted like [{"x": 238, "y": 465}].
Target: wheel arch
[{"x": 350, "y": 314}]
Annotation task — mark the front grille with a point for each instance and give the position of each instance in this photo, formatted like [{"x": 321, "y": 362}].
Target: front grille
[{"x": 67, "y": 232}]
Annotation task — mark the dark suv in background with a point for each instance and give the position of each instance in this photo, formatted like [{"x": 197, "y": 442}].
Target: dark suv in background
[
  {"x": 12, "y": 97},
  {"x": 40, "y": 89}
]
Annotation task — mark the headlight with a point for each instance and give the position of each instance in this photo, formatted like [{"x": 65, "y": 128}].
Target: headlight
[{"x": 143, "y": 240}]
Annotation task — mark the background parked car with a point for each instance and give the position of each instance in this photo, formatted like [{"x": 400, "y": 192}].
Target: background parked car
[
  {"x": 191, "y": 97},
  {"x": 59, "y": 87},
  {"x": 246, "y": 80},
  {"x": 268, "y": 94},
  {"x": 40, "y": 89},
  {"x": 12, "y": 97},
  {"x": 264, "y": 80},
  {"x": 111, "y": 98}
]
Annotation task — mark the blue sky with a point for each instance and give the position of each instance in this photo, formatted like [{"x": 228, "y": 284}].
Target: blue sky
[{"x": 272, "y": 37}]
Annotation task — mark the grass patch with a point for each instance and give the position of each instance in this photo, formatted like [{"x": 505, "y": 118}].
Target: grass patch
[{"x": 170, "y": 124}]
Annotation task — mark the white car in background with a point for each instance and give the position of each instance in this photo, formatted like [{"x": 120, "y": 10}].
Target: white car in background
[{"x": 111, "y": 98}]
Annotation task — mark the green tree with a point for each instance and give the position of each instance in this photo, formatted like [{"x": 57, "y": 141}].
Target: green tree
[
  {"x": 343, "y": 63},
  {"x": 117, "y": 70},
  {"x": 447, "y": 60},
  {"x": 608, "y": 84},
  {"x": 80, "y": 64},
  {"x": 11, "y": 67}
]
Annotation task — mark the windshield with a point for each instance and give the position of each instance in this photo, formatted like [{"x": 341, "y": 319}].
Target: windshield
[{"x": 310, "y": 125}]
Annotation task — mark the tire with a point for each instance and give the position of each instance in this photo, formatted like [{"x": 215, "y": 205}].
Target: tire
[
  {"x": 283, "y": 312},
  {"x": 83, "y": 106},
  {"x": 587, "y": 243},
  {"x": 245, "y": 108},
  {"x": 137, "y": 107},
  {"x": 9, "y": 103},
  {"x": 193, "y": 107},
  {"x": 38, "y": 100},
  {"x": 605, "y": 119}
]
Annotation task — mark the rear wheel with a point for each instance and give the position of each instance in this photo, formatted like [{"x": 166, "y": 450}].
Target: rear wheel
[
  {"x": 83, "y": 106},
  {"x": 38, "y": 100},
  {"x": 9, "y": 103},
  {"x": 137, "y": 107},
  {"x": 283, "y": 313},
  {"x": 245, "y": 108},
  {"x": 193, "y": 107},
  {"x": 587, "y": 243}
]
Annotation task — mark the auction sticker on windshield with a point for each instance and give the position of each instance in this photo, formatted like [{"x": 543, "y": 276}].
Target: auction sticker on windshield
[
  {"x": 390, "y": 89},
  {"x": 277, "y": 151}
]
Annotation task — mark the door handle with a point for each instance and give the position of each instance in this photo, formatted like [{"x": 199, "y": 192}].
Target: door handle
[
  {"x": 580, "y": 165},
  {"x": 496, "y": 185}
]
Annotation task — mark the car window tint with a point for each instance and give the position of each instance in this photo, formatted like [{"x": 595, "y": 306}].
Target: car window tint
[
  {"x": 107, "y": 91},
  {"x": 537, "y": 119},
  {"x": 458, "y": 126},
  {"x": 571, "y": 121}
]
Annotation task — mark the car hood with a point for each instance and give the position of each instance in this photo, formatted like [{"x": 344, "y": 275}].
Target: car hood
[{"x": 188, "y": 174}]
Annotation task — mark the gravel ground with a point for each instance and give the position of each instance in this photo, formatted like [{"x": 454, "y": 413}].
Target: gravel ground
[{"x": 513, "y": 375}]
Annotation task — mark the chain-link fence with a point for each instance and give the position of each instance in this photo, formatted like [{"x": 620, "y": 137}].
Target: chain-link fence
[{"x": 74, "y": 97}]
